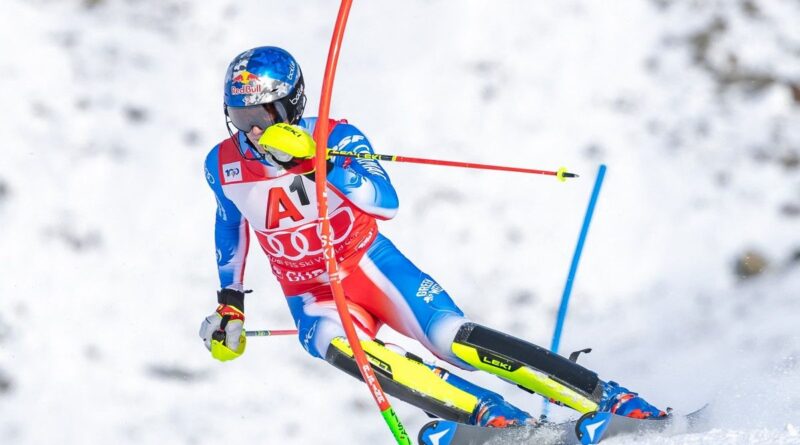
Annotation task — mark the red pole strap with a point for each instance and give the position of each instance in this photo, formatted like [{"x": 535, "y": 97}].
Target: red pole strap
[{"x": 321, "y": 138}]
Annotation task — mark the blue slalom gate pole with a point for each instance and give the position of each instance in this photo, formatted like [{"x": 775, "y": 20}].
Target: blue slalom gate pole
[{"x": 576, "y": 257}]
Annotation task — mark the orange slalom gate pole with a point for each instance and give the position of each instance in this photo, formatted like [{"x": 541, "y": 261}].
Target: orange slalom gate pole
[{"x": 321, "y": 138}]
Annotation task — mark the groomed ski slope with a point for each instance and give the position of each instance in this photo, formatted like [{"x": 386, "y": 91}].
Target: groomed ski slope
[{"x": 106, "y": 245}]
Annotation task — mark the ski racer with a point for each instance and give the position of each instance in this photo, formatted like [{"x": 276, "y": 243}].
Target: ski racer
[{"x": 262, "y": 177}]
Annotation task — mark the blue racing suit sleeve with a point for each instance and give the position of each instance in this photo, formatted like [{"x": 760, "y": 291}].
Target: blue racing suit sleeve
[
  {"x": 231, "y": 235},
  {"x": 364, "y": 182}
]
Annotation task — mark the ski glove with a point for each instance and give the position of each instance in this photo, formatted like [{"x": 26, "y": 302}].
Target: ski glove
[
  {"x": 291, "y": 148},
  {"x": 223, "y": 331}
]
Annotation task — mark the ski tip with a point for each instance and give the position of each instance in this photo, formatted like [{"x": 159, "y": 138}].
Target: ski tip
[{"x": 437, "y": 432}]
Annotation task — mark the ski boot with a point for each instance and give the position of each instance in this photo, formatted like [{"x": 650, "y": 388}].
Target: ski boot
[
  {"x": 623, "y": 402},
  {"x": 493, "y": 411}
]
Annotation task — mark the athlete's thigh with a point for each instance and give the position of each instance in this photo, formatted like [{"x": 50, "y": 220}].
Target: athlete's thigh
[{"x": 396, "y": 291}]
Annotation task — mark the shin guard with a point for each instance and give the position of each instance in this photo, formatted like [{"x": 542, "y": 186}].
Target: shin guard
[
  {"x": 531, "y": 367},
  {"x": 407, "y": 378}
]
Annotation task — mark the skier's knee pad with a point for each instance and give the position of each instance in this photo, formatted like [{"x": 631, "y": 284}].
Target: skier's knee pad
[
  {"x": 503, "y": 355},
  {"x": 316, "y": 333},
  {"x": 406, "y": 377}
]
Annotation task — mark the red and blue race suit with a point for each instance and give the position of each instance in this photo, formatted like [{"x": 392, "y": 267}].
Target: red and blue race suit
[{"x": 381, "y": 285}]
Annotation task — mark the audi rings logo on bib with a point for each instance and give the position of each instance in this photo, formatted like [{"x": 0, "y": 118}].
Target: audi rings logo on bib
[{"x": 304, "y": 241}]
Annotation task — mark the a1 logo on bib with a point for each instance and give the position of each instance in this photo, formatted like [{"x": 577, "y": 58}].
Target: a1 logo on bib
[{"x": 232, "y": 172}]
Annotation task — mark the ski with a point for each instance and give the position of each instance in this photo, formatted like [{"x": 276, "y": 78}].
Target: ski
[{"x": 591, "y": 428}]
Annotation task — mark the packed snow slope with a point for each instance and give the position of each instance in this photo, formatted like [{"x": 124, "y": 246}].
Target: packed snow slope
[{"x": 687, "y": 291}]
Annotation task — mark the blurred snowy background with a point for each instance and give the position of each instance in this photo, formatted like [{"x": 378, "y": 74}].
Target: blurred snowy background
[{"x": 687, "y": 291}]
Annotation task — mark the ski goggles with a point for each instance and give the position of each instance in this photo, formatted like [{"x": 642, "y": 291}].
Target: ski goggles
[
  {"x": 261, "y": 116},
  {"x": 288, "y": 109}
]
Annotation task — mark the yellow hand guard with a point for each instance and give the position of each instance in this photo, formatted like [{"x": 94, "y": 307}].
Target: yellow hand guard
[
  {"x": 289, "y": 139},
  {"x": 223, "y": 353}
]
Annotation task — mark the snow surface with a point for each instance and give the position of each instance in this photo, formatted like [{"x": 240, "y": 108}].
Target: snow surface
[{"x": 106, "y": 246}]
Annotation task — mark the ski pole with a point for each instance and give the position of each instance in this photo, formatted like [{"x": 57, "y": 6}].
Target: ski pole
[
  {"x": 270, "y": 332},
  {"x": 562, "y": 174}
]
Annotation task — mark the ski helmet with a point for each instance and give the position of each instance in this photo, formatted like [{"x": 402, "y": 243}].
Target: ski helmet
[{"x": 264, "y": 86}]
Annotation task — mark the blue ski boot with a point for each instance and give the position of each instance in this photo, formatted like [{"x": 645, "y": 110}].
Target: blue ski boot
[
  {"x": 623, "y": 402},
  {"x": 493, "y": 411}
]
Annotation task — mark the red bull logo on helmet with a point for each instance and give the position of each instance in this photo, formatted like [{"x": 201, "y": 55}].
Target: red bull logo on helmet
[{"x": 248, "y": 81}]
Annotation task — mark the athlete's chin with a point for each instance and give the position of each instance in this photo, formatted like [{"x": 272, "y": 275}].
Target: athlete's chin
[{"x": 254, "y": 142}]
